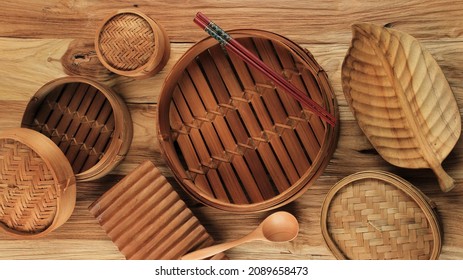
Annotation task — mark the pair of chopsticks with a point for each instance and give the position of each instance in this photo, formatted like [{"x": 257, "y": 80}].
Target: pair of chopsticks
[{"x": 251, "y": 59}]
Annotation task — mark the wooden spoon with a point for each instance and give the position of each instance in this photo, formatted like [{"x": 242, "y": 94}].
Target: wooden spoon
[{"x": 279, "y": 227}]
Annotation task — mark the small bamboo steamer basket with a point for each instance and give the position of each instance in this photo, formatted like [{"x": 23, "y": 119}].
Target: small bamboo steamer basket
[
  {"x": 37, "y": 185},
  {"x": 378, "y": 215},
  {"x": 232, "y": 140},
  {"x": 132, "y": 44},
  {"x": 89, "y": 122}
]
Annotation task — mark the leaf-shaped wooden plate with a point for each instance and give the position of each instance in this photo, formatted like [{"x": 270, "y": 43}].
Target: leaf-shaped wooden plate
[{"x": 401, "y": 99}]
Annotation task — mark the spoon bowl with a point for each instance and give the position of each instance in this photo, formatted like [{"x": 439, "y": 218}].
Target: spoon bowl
[{"x": 279, "y": 227}]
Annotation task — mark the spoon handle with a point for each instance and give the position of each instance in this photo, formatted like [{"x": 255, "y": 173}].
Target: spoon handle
[{"x": 215, "y": 249}]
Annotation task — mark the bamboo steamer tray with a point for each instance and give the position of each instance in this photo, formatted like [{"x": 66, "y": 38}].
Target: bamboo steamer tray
[
  {"x": 378, "y": 215},
  {"x": 89, "y": 123},
  {"x": 132, "y": 44},
  {"x": 146, "y": 219},
  {"x": 37, "y": 185},
  {"x": 234, "y": 141}
]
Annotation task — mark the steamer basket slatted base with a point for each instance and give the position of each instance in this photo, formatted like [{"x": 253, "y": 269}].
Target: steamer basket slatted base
[
  {"x": 233, "y": 140},
  {"x": 146, "y": 219},
  {"x": 88, "y": 122},
  {"x": 378, "y": 215}
]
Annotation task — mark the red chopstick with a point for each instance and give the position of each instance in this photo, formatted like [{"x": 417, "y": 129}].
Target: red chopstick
[{"x": 234, "y": 46}]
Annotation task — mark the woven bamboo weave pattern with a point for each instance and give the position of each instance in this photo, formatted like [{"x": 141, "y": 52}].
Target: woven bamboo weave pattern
[
  {"x": 371, "y": 219},
  {"x": 127, "y": 41},
  {"x": 241, "y": 140},
  {"x": 28, "y": 193},
  {"x": 146, "y": 219}
]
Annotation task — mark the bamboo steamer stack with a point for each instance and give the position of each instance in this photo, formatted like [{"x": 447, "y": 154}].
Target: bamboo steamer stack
[{"x": 234, "y": 141}]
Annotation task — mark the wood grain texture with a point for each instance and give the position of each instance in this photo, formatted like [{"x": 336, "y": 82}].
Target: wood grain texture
[{"x": 35, "y": 36}]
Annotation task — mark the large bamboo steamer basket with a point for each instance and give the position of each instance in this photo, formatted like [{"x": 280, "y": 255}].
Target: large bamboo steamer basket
[
  {"x": 37, "y": 184},
  {"x": 232, "y": 140},
  {"x": 89, "y": 122},
  {"x": 378, "y": 215},
  {"x": 131, "y": 43}
]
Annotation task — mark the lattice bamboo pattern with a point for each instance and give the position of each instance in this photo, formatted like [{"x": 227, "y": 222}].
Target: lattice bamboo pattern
[
  {"x": 146, "y": 219},
  {"x": 233, "y": 139},
  {"x": 377, "y": 215},
  {"x": 36, "y": 195},
  {"x": 132, "y": 44},
  {"x": 88, "y": 122}
]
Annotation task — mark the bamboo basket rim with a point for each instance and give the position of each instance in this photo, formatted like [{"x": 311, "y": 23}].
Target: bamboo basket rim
[
  {"x": 156, "y": 61},
  {"x": 61, "y": 171},
  {"x": 123, "y": 129},
  {"x": 426, "y": 205},
  {"x": 304, "y": 182}
]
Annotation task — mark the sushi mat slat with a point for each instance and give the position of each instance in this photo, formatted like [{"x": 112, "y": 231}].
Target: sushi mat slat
[{"x": 145, "y": 206}]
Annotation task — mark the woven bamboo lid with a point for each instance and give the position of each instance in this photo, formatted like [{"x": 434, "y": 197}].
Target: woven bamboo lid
[
  {"x": 132, "y": 44},
  {"x": 146, "y": 219},
  {"x": 378, "y": 215},
  {"x": 232, "y": 140},
  {"x": 89, "y": 123},
  {"x": 37, "y": 185}
]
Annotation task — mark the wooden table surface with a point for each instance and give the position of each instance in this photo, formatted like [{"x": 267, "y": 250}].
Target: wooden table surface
[{"x": 40, "y": 42}]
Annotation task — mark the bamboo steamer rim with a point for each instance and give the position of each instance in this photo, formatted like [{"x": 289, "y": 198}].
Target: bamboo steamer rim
[
  {"x": 123, "y": 129},
  {"x": 62, "y": 175},
  {"x": 304, "y": 182},
  {"x": 425, "y": 204},
  {"x": 161, "y": 46}
]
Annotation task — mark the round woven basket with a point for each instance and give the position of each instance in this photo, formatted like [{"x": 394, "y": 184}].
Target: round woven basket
[
  {"x": 378, "y": 215},
  {"x": 37, "y": 185},
  {"x": 233, "y": 140},
  {"x": 89, "y": 123},
  {"x": 130, "y": 43}
]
